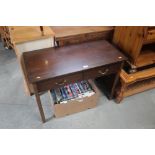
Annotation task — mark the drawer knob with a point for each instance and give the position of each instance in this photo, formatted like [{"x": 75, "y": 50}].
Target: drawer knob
[
  {"x": 61, "y": 83},
  {"x": 103, "y": 73}
]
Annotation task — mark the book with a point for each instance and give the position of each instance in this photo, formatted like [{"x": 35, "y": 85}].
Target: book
[
  {"x": 63, "y": 93},
  {"x": 78, "y": 91},
  {"x": 73, "y": 90},
  {"x": 68, "y": 92},
  {"x": 53, "y": 94},
  {"x": 81, "y": 87}
]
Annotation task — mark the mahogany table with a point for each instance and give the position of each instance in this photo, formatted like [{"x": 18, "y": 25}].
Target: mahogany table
[{"x": 50, "y": 68}]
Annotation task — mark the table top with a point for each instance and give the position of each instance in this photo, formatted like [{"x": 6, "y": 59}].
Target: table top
[{"x": 54, "y": 62}]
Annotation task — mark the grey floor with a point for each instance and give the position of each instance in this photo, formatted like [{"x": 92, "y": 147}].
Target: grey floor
[{"x": 17, "y": 110}]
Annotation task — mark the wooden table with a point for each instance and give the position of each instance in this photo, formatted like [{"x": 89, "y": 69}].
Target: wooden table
[
  {"x": 67, "y": 35},
  {"x": 54, "y": 67}
]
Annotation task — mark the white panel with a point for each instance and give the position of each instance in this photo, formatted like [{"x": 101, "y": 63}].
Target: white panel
[{"x": 35, "y": 45}]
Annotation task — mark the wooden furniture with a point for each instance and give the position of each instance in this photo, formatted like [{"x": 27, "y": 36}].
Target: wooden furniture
[
  {"x": 66, "y": 35},
  {"x": 138, "y": 42},
  {"x": 12, "y": 35},
  {"x": 55, "y": 67},
  {"x": 22, "y": 34},
  {"x": 135, "y": 83},
  {"x": 6, "y": 37}
]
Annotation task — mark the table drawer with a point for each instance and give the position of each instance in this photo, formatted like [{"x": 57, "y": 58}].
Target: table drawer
[
  {"x": 58, "y": 82},
  {"x": 101, "y": 71}
]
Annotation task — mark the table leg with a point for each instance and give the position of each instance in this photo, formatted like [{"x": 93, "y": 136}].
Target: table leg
[
  {"x": 114, "y": 86},
  {"x": 115, "y": 82},
  {"x": 42, "y": 30},
  {"x": 37, "y": 96}
]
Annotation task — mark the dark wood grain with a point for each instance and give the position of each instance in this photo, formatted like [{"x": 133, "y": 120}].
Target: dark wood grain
[
  {"x": 54, "y": 62},
  {"x": 101, "y": 71},
  {"x": 59, "y": 81},
  {"x": 54, "y": 67}
]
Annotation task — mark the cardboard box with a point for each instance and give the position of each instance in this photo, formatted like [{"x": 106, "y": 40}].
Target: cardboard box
[{"x": 77, "y": 105}]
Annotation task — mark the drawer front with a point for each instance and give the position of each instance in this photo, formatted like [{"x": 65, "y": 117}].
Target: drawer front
[
  {"x": 58, "y": 82},
  {"x": 101, "y": 71}
]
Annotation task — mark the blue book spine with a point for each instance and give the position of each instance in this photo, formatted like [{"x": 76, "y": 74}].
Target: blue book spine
[
  {"x": 73, "y": 90},
  {"x": 64, "y": 96}
]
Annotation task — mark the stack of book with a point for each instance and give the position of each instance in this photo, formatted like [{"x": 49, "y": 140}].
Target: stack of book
[{"x": 72, "y": 92}]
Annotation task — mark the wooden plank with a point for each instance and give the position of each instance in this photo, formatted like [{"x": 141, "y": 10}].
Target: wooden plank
[
  {"x": 140, "y": 87},
  {"x": 140, "y": 75}
]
